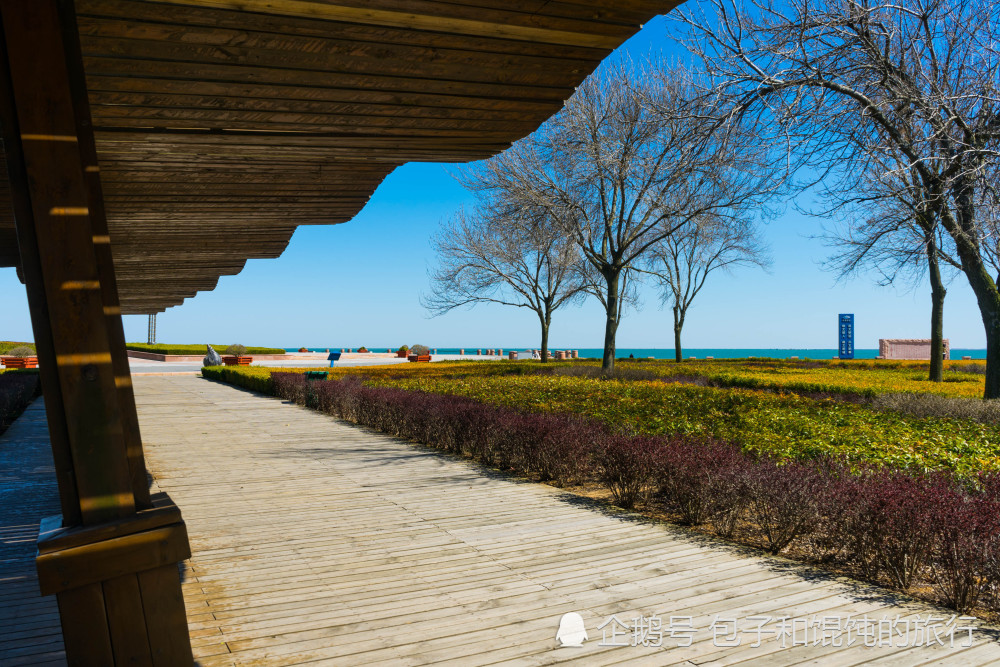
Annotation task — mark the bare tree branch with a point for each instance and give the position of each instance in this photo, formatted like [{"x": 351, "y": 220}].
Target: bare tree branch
[
  {"x": 635, "y": 155},
  {"x": 851, "y": 87},
  {"x": 682, "y": 262},
  {"x": 510, "y": 256}
]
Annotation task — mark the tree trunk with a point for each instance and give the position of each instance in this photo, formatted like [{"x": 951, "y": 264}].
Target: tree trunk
[
  {"x": 993, "y": 357},
  {"x": 611, "y": 322},
  {"x": 678, "y": 323},
  {"x": 988, "y": 299},
  {"x": 545, "y": 337},
  {"x": 982, "y": 284},
  {"x": 989, "y": 308},
  {"x": 937, "y": 312}
]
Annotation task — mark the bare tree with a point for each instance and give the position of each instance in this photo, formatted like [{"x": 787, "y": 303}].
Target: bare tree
[
  {"x": 889, "y": 228},
  {"x": 506, "y": 256},
  {"x": 988, "y": 218},
  {"x": 682, "y": 262},
  {"x": 632, "y": 158},
  {"x": 921, "y": 77}
]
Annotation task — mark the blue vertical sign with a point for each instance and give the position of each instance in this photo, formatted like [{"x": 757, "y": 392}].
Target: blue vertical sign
[{"x": 846, "y": 324}]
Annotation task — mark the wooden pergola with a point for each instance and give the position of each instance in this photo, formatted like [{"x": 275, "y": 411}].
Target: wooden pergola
[{"x": 152, "y": 147}]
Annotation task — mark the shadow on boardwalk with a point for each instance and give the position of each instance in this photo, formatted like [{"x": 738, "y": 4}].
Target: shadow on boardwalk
[
  {"x": 378, "y": 458},
  {"x": 30, "y": 633},
  {"x": 853, "y": 590},
  {"x": 314, "y": 540}
]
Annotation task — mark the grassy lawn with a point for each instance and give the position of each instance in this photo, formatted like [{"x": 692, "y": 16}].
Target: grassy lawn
[{"x": 197, "y": 349}]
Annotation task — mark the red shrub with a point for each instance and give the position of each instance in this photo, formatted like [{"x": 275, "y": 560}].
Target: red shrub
[
  {"x": 565, "y": 451},
  {"x": 290, "y": 386},
  {"x": 784, "y": 500},
  {"x": 990, "y": 499},
  {"x": 699, "y": 479},
  {"x": 627, "y": 465},
  {"x": 843, "y": 518},
  {"x": 967, "y": 540},
  {"x": 897, "y": 518},
  {"x": 961, "y": 552}
]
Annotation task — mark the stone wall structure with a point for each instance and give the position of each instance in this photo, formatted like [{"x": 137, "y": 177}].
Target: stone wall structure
[{"x": 908, "y": 348}]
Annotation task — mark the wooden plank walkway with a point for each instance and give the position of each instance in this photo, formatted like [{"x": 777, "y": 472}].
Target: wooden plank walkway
[
  {"x": 29, "y": 624},
  {"x": 318, "y": 542},
  {"x": 315, "y": 540}
]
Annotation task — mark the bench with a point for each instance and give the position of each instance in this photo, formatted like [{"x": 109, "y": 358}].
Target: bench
[{"x": 419, "y": 357}]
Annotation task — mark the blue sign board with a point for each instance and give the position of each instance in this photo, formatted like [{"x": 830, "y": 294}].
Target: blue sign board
[{"x": 845, "y": 322}]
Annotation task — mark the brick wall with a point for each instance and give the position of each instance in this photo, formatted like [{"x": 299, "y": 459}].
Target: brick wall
[{"x": 908, "y": 348}]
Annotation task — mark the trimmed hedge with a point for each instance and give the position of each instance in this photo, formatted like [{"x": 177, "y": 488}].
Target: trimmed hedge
[
  {"x": 898, "y": 529},
  {"x": 17, "y": 389},
  {"x": 190, "y": 350},
  {"x": 254, "y": 378}
]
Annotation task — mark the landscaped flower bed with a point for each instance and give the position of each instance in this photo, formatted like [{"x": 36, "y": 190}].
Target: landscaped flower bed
[
  {"x": 782, "y": 425},
  {"x": 914, "y": 532},
  {"x": 861, "y": 377},
  {"x": 763, "y": 422}
]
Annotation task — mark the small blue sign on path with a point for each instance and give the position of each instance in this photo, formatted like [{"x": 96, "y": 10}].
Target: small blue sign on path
[{"x": 846, "y": 331}]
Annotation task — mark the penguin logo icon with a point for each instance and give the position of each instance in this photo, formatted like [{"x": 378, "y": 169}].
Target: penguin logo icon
[{"x": 571, "y": 631}]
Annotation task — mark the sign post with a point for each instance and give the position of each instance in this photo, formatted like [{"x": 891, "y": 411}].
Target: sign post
[{"x": 846, "y": 331}]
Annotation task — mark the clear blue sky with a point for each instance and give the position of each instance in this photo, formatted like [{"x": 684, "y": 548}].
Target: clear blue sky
[{"x": 358, "y": 284}]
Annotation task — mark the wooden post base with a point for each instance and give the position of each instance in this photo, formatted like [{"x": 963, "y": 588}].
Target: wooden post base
[{"x": 119, "y": 588}]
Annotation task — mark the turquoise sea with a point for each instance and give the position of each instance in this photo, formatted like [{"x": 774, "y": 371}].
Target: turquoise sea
[{"x": 699, "y": 353}]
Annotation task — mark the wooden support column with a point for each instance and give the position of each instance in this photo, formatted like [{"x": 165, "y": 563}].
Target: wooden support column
[
  {"x": 105, "y": 263},
  {"x": 111, "y": 558}
]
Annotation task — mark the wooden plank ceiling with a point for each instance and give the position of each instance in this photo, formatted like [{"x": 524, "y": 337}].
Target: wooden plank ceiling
[{"x": 221, "y": 125}]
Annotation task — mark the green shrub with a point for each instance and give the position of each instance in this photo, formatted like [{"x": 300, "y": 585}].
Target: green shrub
[
  {"x": 21, "y": 351},
  {"x": 619, "y": 373},
  {"x": 931, "y": 405},
  {"x": 7, "y": 345},
  {"x": 236, "y": 350},
  {"x": 248, "y": 377},
  {"x": 969, "y": 367},
  {"x": 420, "y": 350}
]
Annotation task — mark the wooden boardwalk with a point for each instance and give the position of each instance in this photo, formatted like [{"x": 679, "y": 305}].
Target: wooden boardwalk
[
  {"x": 29, "y": 624},
  {"x": 316, "y": 541}
]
